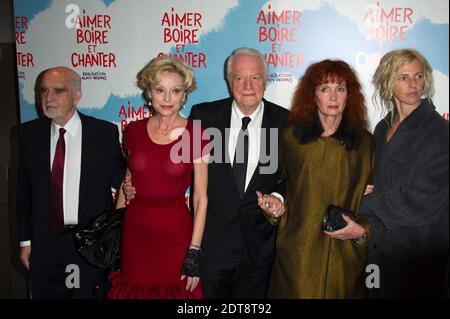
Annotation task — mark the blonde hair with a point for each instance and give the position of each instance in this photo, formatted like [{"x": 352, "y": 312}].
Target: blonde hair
[
  {"x": 150, "y": 75},
  {"x": 387, "y": 71}
]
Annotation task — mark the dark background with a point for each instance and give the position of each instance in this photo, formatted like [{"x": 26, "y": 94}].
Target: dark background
[{"x": 12, "y": 275}]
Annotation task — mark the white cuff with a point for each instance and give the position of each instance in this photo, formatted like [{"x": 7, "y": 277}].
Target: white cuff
[
  {"x": 25, "y": 243},
  {"x": 278, "y": 196}
]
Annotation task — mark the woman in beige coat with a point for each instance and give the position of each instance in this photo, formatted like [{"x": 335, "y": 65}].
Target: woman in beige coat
[{"x": 327, "y": 156}]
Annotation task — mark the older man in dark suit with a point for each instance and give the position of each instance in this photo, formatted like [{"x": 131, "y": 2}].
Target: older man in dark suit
[
  {"x": 69, "y": 163},
  {"x": 238, "y": 243}
]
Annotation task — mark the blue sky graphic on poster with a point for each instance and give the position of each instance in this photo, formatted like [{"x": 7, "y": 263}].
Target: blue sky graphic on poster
[{"x": 327, "y": 29}]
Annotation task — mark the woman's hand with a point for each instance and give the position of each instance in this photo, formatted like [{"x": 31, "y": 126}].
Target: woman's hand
[
  {"x": 353, "y": 230},
  {"x": 191, "y": 269},
  {"x": 192, "y": 282}
]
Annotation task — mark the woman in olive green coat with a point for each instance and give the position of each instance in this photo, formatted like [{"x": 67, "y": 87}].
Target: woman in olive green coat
[{"x": 327, "y": 156}]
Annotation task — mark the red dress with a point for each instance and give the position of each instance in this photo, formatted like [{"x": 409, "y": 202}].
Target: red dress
[{"x": 157, "y": 227}]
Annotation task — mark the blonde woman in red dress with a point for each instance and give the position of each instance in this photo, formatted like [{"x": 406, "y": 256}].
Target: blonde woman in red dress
[{"x": 161, "y": 237}]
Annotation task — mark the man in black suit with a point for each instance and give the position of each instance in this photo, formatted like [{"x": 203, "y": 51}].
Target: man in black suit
[
  {"x": 69, "y": 163},
  {"x": 238, "y": 242}
]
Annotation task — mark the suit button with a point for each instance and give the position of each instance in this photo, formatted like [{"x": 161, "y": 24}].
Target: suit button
[{"x": 374, "y": 247}]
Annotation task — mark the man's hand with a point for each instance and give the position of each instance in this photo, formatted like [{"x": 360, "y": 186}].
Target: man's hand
[
  {"x": 128, "y": 190},
  {"x": 270, "y": 204},
  {"x": 24, "y": 255},
  {"x": 369, "y": 189}
]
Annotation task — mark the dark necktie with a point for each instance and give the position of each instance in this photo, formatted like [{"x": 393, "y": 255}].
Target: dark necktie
[
  {"x": 241, "y": 156},
  {"x": 57, "y": 184}
]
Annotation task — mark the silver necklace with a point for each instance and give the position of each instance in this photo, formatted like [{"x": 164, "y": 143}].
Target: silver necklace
[{"x": 167, "y": 131}]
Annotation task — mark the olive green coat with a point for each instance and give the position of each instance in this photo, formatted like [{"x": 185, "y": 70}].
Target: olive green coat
[{"x": 308, "y": 263}]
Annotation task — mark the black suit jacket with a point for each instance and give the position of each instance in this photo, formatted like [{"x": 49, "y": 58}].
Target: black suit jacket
[
  {"x": 228, "y": 214},
  {"x": 102, "y": 167}
]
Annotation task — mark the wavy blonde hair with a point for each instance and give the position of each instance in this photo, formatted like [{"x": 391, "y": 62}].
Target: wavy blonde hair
[
  {"x": 387, "y": 71},
  {"x": 150, "y": 75}
]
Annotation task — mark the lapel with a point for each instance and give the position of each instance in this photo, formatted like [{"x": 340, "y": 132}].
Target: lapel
[
  {"x": 400, "y": 142},
  {"x": 223, "y": 124},
  {"x": 395, "y": 146},
  {"x": 43, "y": 155},
  {"x": 87, "y": 144},
  {"x": 266, "y": 124},
  {"x": 43, "y": 146}
]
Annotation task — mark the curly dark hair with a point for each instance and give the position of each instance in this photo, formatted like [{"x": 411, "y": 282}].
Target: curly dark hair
[{"x": 304, "y": 114}]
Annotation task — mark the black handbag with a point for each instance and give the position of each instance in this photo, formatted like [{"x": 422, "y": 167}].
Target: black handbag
[
  {"x": 99, "y": 242},
  {"x": 332, "y": 220}
]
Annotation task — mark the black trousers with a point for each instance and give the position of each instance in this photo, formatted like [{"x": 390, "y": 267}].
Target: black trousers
[
  {"x": 235, "y": 278},
  {"x": 61, "y": 273}
]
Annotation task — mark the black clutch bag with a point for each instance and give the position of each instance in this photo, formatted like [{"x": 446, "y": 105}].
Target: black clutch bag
[
  {"x": 333, "y": 220},
  {"x": 99, "y": 242}
]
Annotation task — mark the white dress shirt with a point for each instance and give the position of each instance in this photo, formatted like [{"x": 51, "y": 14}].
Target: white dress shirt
[
  {"x": 254, "y": 137},
  {"x": 254, "y": 132}
]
